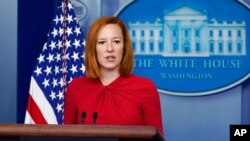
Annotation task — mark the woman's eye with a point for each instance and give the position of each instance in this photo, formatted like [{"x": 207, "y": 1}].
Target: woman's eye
[
  {"x": 117, "y": 41},
  {"x": 101, "y": 42}
]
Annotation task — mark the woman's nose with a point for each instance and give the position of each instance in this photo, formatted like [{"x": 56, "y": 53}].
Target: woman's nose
[{"x": 110, "y": 47}]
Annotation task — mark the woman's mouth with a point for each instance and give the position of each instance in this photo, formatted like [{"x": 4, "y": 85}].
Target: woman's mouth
[{"x": 110, "y": 58}]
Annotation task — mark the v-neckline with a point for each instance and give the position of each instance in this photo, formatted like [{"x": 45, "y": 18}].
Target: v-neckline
[{"x": 116, "y": 79}]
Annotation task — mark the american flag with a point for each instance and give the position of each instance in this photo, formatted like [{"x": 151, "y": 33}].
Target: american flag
[{"x": 59, "y": 62}]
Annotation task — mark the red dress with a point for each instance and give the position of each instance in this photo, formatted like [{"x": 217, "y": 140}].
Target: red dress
[{"x": 131, "y": 100}]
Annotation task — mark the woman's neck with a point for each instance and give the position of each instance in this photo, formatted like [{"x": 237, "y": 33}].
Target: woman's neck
[{"x": 109, "y": 76}]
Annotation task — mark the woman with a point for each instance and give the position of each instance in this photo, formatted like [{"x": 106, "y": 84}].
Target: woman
[{"x": 110, "y": 94}]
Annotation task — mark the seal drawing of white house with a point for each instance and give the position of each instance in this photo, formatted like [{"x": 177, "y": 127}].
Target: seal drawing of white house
[{"x": 186, "y": 32}]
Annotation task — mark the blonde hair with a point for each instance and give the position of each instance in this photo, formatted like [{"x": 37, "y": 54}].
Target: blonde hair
[{"x": 91, "y": 63}]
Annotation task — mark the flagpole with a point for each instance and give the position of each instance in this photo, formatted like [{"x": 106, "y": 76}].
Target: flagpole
[{"x": 64, "y": 44}]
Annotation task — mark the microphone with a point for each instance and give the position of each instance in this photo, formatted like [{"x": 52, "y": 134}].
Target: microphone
[
  {"x": 84, "y": 114},
  {"x": 95, "y": 115}
]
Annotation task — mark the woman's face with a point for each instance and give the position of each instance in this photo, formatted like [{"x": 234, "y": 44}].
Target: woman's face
[{"x": 109, "y": 47}]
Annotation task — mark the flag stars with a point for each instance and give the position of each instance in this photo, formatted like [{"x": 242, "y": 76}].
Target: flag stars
[
  {"x": 61, "y": 18},
  {"x": 83, "y": 56},
  {"x": 62, "y": 83},
  {"x": 40, "y": 58},
  {"x": 56, "y": 70},
  {"x": 75, "y": 56},
  {"x": 73, "y": 68},
  {"x": 54, "y": 83},
  {"x": 52, "y": 45},
  {"x": 69, "y": 18},
  {"x": 48, "y": 70},
  {"x": 77, "y": 31},
  {"x": 68, "y": 43},
  {"x": 50, "y": 58},
  {"x": 52, "y": 95},
  {"x": 76, "y": 43},
  {"x": 69, "y": 31},
  {"x": 60, "y": 95},
  {"x": 56, "y": 20},
  {"x": 45, "y": 82},
  {"x": 70, "y": 6},
  {"x": 58, "y": 57},
  {"x": 61, "y": 31},
  {"x": 64, "y": 70},
  {"x": 83, "y": 42},
  {"x": 54, "y": 32},
  {"x": 59, "y": 107},
  {"x": 45, "y": 46},
  {"x": 38, "y": 71},
  {"x": 65, "y": 57},
  {"x": 59, "y": 44},
  {"x": 82, "y": 68}
]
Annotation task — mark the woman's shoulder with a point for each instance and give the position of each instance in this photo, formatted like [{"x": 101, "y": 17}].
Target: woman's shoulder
[
  {"x": 143, "y": 85},
  {"x": 79, "y": 79},
  {"x": 141, "y": 80},
  {"x": 82, "y": 80}
]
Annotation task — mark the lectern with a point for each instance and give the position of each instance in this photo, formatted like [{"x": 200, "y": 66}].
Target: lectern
[{"x": 121, "y": 133}]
